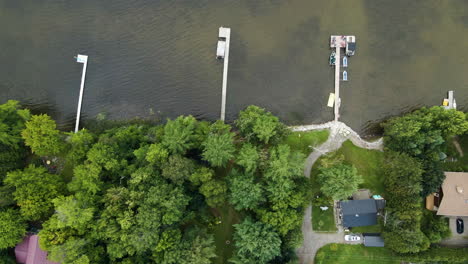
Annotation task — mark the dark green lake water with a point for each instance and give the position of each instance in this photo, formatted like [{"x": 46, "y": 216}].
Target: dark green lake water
[{"x": 157, "y": 57}]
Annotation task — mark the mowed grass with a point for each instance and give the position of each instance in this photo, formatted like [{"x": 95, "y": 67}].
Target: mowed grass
[
  {"x": 346, "y": 254},
  {"x": 368, "y": 163},
  {"x": 223, "y": 232},
  {"x": 305, "y": 141},
  {"x": 323, "y": 221},
  {"x": 368, "y": 229}
]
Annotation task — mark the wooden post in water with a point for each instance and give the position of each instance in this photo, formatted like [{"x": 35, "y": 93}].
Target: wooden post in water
[{"x": 81, "y": 59}]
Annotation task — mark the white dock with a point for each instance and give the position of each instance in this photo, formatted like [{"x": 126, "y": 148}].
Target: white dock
[
  {"x": 81, "y": 59},
  {"x": 225, "y": 33},
  {"x": 340, "y": 42},
  {"x": 337, "y": 83}
]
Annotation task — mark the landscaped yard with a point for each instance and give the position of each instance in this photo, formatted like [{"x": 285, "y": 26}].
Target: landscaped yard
[
  {"x": 368, "y": 163},
  {"x": 305, "y": 141},
  {"x": 345, "y": 254},
  {"x": 323, "y": 221},
  {"x": 223, "y": 233}
]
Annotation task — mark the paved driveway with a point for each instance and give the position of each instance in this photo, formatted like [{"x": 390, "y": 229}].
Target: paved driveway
[{"x": 457, "y": 240}]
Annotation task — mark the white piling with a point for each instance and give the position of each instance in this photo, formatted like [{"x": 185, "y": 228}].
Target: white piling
[{"x": 81, "y": 59}]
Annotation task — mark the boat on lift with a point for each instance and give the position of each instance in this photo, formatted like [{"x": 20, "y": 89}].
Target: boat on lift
[
  {"x": 345, "y": 75},
  {"x": 332, "y": 58},
  {"x": 345, "y": 61}
]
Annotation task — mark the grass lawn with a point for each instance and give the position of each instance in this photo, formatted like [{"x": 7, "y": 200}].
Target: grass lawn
[
  {"x": 223, "y": 232},
  {"x": 345, "y": 254},
  {"x": 323, "y": 221},
  {"x": 368, "y": 163},
  {"x": 304, "y": 141}
]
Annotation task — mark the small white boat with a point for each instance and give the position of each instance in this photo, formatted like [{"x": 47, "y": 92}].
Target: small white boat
[
  {"x": 345, "y": 75},
  {"x": 345, "y": 61},
  {"x": 331, "y": 100}
]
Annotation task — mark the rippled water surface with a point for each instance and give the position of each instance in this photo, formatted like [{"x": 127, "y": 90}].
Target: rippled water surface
[{"x": 157, "y": 57}]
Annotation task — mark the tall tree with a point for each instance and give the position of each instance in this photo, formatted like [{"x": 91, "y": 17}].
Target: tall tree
[
  {"x": 340, "y": 181},
  {"x": 42, "y": 136},
  {"x": 12, "y": 149},
  {"x": 256, "y": 124},
  {"x": 12, "y": 122},
  {"x": 218, "y": 147},
  {"x": 255, "y": 243},
  {"x": 244, "y": 192},
  {"x": 177, "y": 169},
  {"x": 86, "y": 179},
  {"x": 179, "y": 134},
  {"x": 248, "y": 157},
  {"x": 402, "y": 231},
  {"x": 34, "y": 191},
  {"x": 423, "y": 132},
  {"x": 12, "y": 228},
  {"x": 80, "y": 143}
]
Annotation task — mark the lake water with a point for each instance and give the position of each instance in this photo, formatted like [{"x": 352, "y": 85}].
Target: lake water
[{"x": 157, "y": 58}]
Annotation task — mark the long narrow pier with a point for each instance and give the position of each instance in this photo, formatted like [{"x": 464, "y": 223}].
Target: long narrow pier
[
  {"x": 337, "y": 83},
  {"x": 225, "y": 32},
  {"x": 81, "y": 59}
]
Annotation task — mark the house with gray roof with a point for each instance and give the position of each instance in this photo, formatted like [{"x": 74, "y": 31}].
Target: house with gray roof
[{"x": 359, "y": 212}]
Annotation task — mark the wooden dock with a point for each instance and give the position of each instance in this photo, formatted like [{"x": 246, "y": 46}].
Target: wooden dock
[
  {"x": 81, "y": 59},
  {"x": 225, "y": 33}
]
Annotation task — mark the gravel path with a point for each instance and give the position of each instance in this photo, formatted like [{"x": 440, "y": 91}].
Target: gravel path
[{"x": 339, "y": 133}]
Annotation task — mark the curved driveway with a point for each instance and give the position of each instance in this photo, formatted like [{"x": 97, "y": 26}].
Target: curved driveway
[{"x": 339, "y": 133}]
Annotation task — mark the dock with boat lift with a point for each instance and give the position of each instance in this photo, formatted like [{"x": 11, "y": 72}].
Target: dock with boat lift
[{"x": 348, "y": 43}]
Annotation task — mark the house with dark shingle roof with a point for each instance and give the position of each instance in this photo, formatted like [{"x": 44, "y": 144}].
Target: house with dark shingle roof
[{"x": 358, "y": 212}]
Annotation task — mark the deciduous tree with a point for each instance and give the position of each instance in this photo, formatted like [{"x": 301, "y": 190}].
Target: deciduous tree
[
  {"x": 340, "y": 181},
  {"x": 248, "y": 157},
  {"x": 218, "y": 147},
  {"x": 179, "y": 134},
  {"x": 12, "y": 228},
  {"x": 244, "y": 192},
  {"x": 34, "y": 191},
  {"x": 42, "y": 136},
  {"x": 255, "y": 243},
  {"x": 256, "y": 124},
  {"x": 177, "y": 169}
]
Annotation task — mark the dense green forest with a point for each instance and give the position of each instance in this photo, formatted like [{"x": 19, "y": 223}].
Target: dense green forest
[
  {"x": 190, "y": 191},
  {"x": 151, "y": 193}
]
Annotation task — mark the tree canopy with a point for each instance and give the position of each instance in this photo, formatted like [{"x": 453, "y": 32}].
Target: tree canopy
[
  {"x": 340, "y": 181},
  {"x": 140, "y": 192},
  {"x": 42, "y": 136},
  {"x": 256, "y": 124},
  {"x": 255, "y": 242},
  {"x": 12, "y": 228},
  {"x": 35, "y": 189}
]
